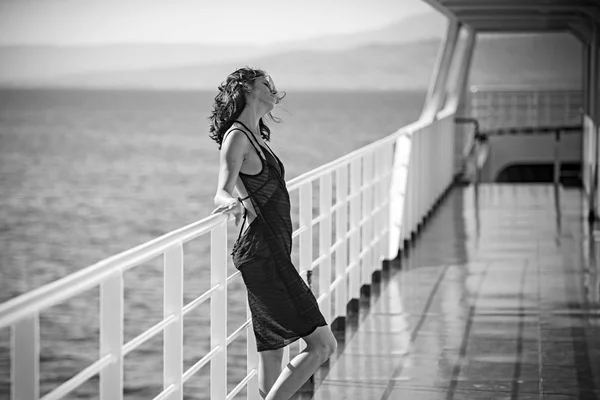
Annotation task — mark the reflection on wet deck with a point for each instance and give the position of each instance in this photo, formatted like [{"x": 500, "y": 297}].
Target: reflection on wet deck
[{"x": 497, "y": 299}]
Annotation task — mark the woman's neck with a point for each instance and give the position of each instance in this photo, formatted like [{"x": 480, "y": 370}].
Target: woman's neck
[{"x": 251, "y": 120}]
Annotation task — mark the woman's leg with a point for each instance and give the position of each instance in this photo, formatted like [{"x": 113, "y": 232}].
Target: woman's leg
[
  {"x": 320, "y": 345},
  {"x": 269, "y": 368}
]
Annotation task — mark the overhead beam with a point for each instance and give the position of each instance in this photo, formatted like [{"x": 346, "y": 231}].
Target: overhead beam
[
  {"x": 514, "y": 23},
  {"x": 498, "y": 14},
  {"x": 436, "y": 5},
  {"x": 517, "y": 26},
  {"x": 503, "y": 18},
  {"x": 517, "y": 30},
  {"x": 582, "y": 32},
  {"x": 517, "y": 23},
  {"x": 521, "y": 6},
  {"x": 516, "y": 3}
]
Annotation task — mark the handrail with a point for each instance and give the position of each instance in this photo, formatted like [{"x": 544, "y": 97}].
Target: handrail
[
  {"x": 590, "y": 166},
  {"x": 521, "y": 88},
  {"x": 78, "y": 282},
  {"x": 503, "y": 106},
  {"x": 332, "y": 165}
]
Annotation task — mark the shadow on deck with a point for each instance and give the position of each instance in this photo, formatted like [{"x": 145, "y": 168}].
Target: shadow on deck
[{"x": 497, "y": 298}]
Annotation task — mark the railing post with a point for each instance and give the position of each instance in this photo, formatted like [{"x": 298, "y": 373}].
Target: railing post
[
  {"x": 418, "y": 182},
  {"x": 437, "y": 153},
  {"x": 325, "y": 243},
  {"x": 252, "y": 392},
  {"x": 567, "y": 119},
  {"x": 536, "y": 108},
  {"x": 378, "y": 223},
  {"x": 173, "y": 334},
  {"x": 25, "y": 358},
  {"x": 557, "y": 157},
  {"x": 218, "y": 311},
  {"x": 305, "y": 219},
  {"x": 306, "y": 238},
  {"x": 341, "y": 226},
  {"x": 111, "y": 335},
  {"x": 428, "y": 165},
  {"x": 398, "y": 212},
  {"x": 368, "y": 263},
  {"x": 386, "y": 197},
  {"x": 388, "y": 222},
  {"x": 355, "y": 184}
]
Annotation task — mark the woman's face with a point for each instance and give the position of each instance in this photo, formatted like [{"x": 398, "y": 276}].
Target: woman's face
[{"x": 264, "y": 92}]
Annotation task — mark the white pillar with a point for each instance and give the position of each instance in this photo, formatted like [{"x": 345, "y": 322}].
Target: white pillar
[
  {"x": 585, "y": 77},
  {"x": 437, "y": 85},
  {"x": 173, "y": 334},
  {"x": 464, "y": 67},
  {"x": 593, "y": 113}
]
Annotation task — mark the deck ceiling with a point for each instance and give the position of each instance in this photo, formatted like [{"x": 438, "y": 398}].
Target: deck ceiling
[{"x": 576, "y": 16}]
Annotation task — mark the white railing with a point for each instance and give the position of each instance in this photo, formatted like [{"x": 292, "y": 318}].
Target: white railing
[
  {"x": 382, "y": 191},
  {"x": 504, "y": 107},
  {"x": 589, "y": 156},
  {"x": 591, "y": 145}
]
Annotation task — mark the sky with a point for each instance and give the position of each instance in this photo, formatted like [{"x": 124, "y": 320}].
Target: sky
[{"x": 258, "y": 22}]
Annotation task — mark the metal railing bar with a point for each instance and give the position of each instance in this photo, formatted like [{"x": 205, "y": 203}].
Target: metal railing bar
[
  {"x": 233, "y": 276},
  {"x": 203, "y": 361},
  {"x": 240, "y": 385},
  {"x": 166, "y": 392},
  {"x": 353, "y": 195},
  {"x": 337, "y": 244},
  {"x": 351, "y": 266},
  {"x": 336, "y": 282},
  {"x": 363, "y": 253},
  {"x": 199, "y": 300},
  {"x": 238, "y": 331},
  {"x": 337, "y": 206},
  {"x": 351, "y": 231},
  {"x": 298, "y": 231},
  {"x": 318, "y": 261},
  {"x": 80, "y": 378},
  {"x": 148, "y": 334},
  {"x": 322, "y": 298},
  {"x": 318, "y": 219}
]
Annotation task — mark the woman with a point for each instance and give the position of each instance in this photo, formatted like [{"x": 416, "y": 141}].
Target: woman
[{"x": 283, "y": 307}]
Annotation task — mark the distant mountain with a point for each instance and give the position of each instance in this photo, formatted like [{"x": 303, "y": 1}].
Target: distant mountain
[
  {"x": 32, "y": 65},
  {"x": 540, "y": 60},
  {"x": 417, "y": 28},
  {"x": 23, "y": 64},
  {"x": 377, "y": 67},
  {"x": 397, "y": 57}
]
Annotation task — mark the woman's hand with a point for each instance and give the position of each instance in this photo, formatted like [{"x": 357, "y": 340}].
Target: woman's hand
[{"x": 235, "y": 208}]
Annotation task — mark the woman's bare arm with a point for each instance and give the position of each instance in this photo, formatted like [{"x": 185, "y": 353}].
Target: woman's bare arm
[{"x": 232, "y": 156}]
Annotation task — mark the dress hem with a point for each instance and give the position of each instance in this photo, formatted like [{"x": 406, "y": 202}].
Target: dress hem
[{"x": 290, "y": 341}]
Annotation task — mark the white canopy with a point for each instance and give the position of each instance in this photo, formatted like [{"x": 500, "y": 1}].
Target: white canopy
[{"x": 576, "y": 16}]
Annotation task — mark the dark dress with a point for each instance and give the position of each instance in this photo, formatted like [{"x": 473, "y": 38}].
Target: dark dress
[{"x": 283, "y": 307}]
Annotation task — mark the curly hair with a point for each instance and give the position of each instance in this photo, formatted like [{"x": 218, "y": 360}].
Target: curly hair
[{"x": 230, "y": 102}]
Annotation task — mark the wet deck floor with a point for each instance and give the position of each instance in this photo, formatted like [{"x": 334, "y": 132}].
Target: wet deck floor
[{"x": 497, "y": 299}]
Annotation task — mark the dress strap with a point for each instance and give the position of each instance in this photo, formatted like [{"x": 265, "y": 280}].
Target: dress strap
[
  {"x": 246, "y": 133},
  {"x": 272, "y": 152},
  {"x": 244, "y": 222}
]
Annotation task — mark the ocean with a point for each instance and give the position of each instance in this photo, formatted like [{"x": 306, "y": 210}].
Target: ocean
[{"x": 87, "y": 174}]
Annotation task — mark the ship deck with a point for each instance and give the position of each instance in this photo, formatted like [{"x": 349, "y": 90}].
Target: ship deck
[{"x": 496, "y": 298}]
